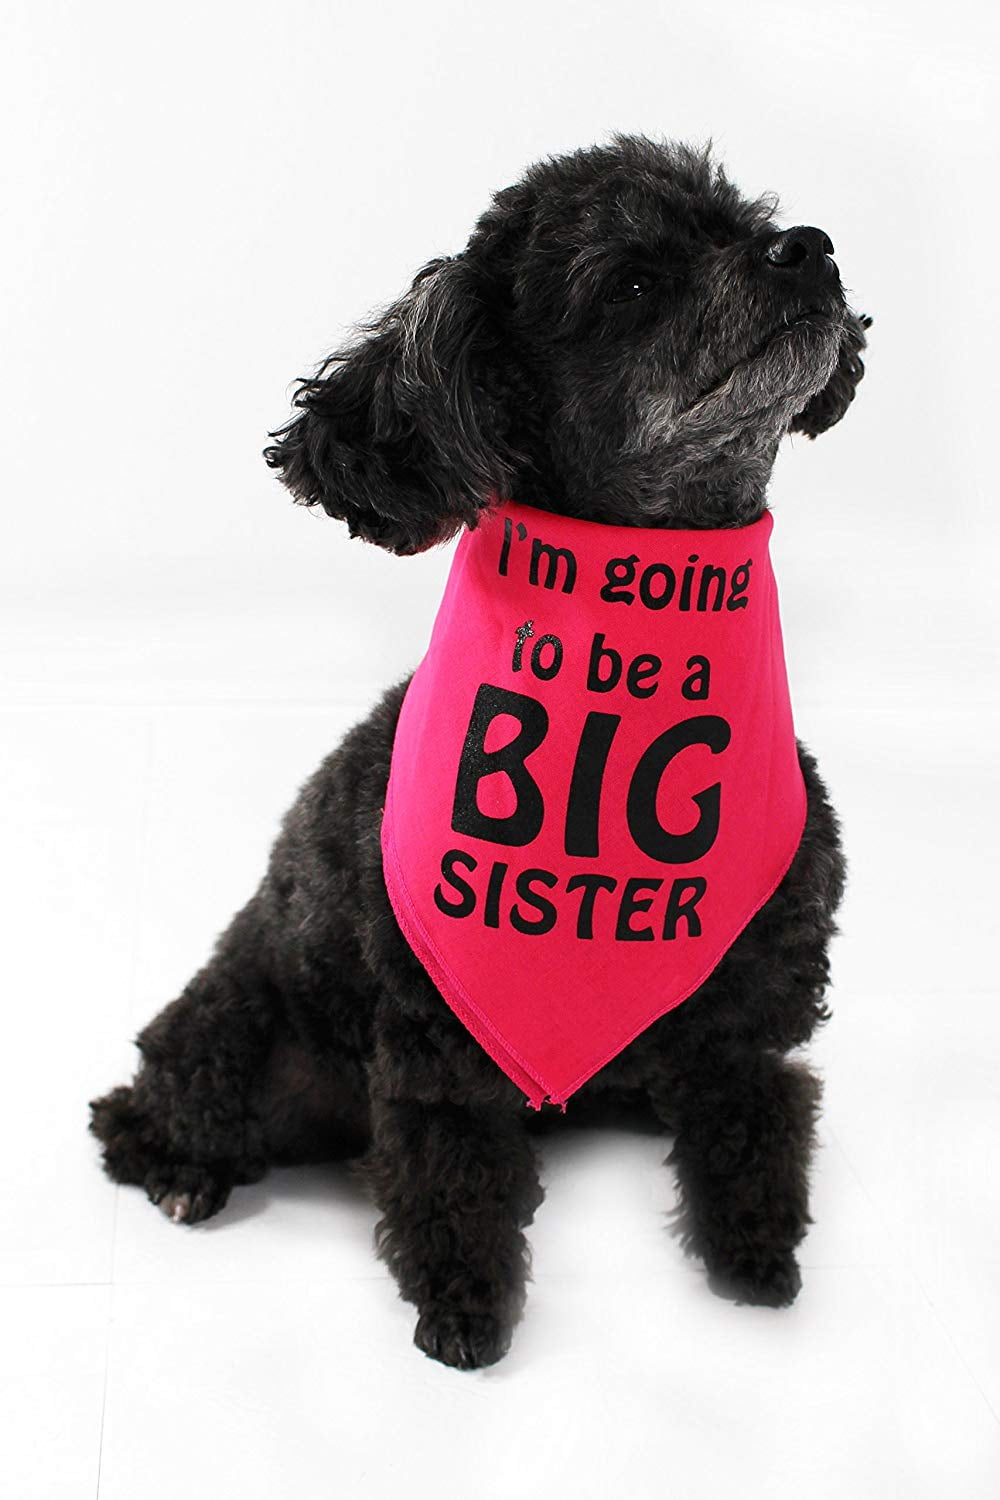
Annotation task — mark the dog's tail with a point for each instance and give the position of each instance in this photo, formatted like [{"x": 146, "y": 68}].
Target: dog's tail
[{"x": 129, "y": 1146}]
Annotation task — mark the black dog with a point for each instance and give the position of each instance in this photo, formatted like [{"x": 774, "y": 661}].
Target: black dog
[{"x": 627, "y": 339}]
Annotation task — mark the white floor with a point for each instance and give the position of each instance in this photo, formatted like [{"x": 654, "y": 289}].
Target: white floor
[{"x": 267, "y": 1353}]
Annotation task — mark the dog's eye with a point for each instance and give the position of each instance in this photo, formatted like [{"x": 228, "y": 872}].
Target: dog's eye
[{"x": 629, "y": 286}]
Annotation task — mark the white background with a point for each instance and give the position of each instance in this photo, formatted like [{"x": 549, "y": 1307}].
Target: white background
[{"x": 200, "y": 200}]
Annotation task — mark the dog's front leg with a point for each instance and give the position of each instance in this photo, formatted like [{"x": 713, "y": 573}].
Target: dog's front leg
[
  {"x": 745, "y": 1134},
  {"x": 456, "y": 1186}
]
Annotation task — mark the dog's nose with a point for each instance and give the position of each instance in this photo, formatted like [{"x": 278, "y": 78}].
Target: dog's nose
[{"x": 801, "y": 251}]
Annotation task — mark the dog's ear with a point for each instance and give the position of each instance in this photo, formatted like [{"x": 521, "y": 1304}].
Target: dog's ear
[
  {"x": 828, "y": 405},
  {"x": 401, "y": 433}
]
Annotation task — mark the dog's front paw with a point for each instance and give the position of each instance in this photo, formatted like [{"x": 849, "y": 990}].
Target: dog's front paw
[
  {"x": 186, "y": 1194},
  {"x": 763, "y": 1278},
  {"x": 464, "y": 1340}
]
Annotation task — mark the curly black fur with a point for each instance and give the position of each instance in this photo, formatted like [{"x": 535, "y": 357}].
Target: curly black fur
[{"x": 624, "y": 338}]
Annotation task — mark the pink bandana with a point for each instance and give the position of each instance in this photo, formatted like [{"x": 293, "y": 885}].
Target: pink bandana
[{"x": 594, "y": 781}]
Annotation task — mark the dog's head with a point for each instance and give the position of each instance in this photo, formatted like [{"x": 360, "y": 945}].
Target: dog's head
[{"x": 625, "y": 338}]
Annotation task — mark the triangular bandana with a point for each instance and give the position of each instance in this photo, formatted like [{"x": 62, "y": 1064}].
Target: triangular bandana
[{"x": 594, "y": 781}]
